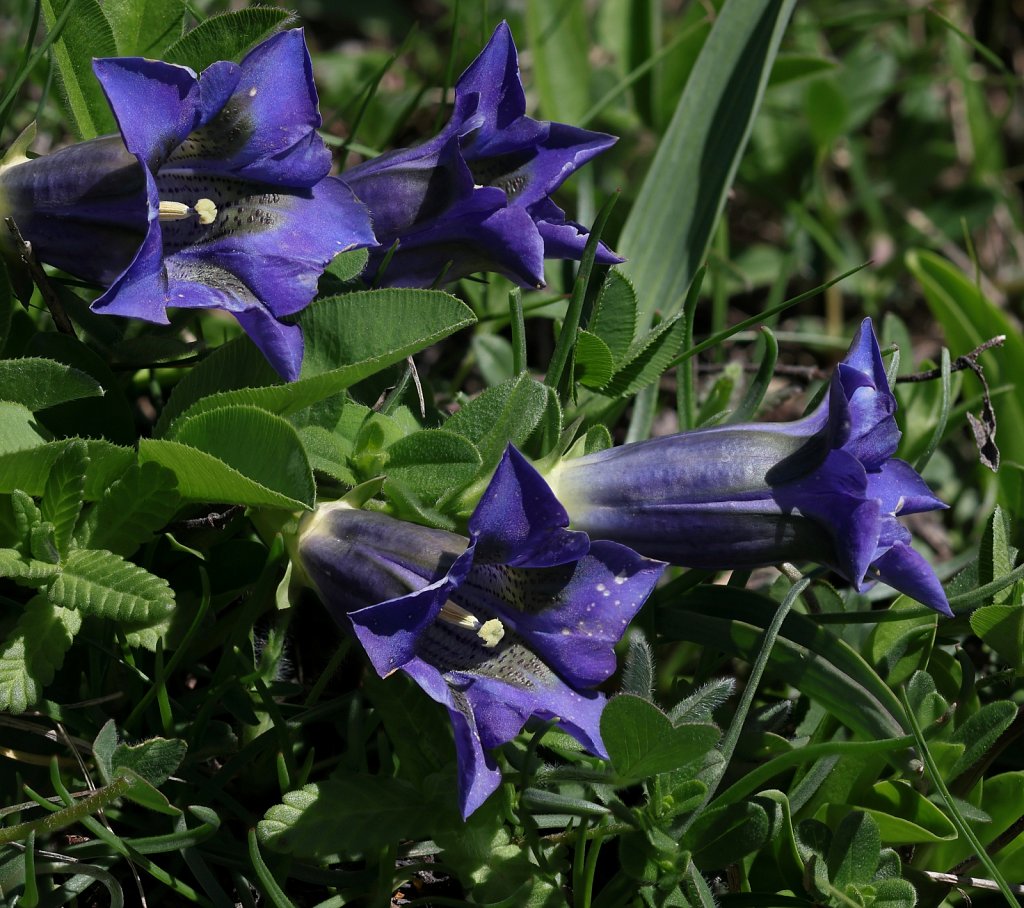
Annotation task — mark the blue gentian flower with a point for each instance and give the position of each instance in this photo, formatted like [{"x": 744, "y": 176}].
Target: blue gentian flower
[
  {"x": 824, "y": 488},
  {"x": 215, "y": 195},
  {"x": 476, "y": 197},
  {"x": 518, "y": 621}
]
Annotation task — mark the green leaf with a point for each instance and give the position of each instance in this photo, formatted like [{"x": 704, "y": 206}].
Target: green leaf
[
  {"x": 493, "y": 357},
  {"x": 27, "y": 517},
  {"x": 642, "y": 742},
  {"x": 980, "y": 732},
  {"x": 806, "y": 654},
  {"x": 902, "y": 815},
  {"x": 594, "y": 364},
  {"x": 968, "y": 318},
  {"x": 996, "y": 557},
  {"x": 793, "y": 67},
  {"x": 559, "y": 42},
  {"x": 86, "y": 34},
  {"x": 348, "y": 265},
  {"x": 853, "y": 854},
  {"x": 826, "y": 111},
  {"x": 900, "y": 648},
  {"x": 202, "y": 477},
  {"x": 145, "y": 28},
  {"x": 34, "y": 573},
  {"x": 432, "y": 462},
  {"x": 723, "y": 835},
  {"x": 33, "y": 652},
  {"x": 38, "y": 383},
  {"x": 502, "y": 415},
  {"x": 647, "y": 358},
  {"x": 131, "y": 510},
  {"x": 348, "y": 338},
  {"x": 1002, "y": 628},
  {"x": 226, "y": 37},
  {"x": 350, "y": 815},
  {"x": 894, "y": 893},
  {"x": 260, "y": 446},
  {"x": 64, "y": 491},
  {"x": 6, "y": 304},
  {"x": 105, "y": 585},
  {"x": 29, "y": 469},
  {"x": 668, "y": 230},
  {"x": 19, "y": 430},
  {"x": 153, "y": 760},
  {"x": 614, "y": 319}
]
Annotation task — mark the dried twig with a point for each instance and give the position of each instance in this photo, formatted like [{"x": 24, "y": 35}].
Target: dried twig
[
  {"x": 967, "y": 361},
  {"x": 49, "y": 295}
]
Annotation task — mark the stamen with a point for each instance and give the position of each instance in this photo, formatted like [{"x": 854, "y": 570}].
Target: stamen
[
  {"x": 174, "y": 211},
  {"x": 457, "y": 615},
  {"x": 491, "y": 632},
  {"x": 206, "y": 211},
  {"x": 899, "y": 506}
]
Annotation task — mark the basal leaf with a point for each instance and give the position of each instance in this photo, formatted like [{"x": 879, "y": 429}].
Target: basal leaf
[
  {"x": 33, "y": 652},
  {"x": 38, "y": 383},
  {"x": 103, "y": 584}
]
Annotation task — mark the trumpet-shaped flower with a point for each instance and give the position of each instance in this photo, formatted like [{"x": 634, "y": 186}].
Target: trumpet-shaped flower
[
  {"x": 476, "y": 197},
  {"x": 518, "y": 621},
  {"x": 215, "y": 195},
  {"x": 824, "y": 488}
]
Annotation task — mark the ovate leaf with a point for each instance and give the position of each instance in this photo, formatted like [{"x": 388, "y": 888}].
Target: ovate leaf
[
  {"x": 38, "y": 383},
  {"x": 62, "y": 495}
]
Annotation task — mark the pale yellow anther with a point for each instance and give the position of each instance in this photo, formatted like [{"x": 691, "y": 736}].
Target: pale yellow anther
[
  {"x": 457, "y": 615},
  {"x": 174, "y": 211},
  {"x": 491, "y": 632},
  {"x": 206, "y": 211}
]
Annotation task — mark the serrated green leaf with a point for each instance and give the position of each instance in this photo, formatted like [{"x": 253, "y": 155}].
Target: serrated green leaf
[
  {"x": 145, "y": 28},
  {"x": 103, "y": 584},
  {"x": 351, "y": 815},
  {"x": 260, "y": 446},
  {"x": 614, "y": 319},
  {"x": 27, "y": 517},
  {"x": 594, "y": 363},
  {"x": 668, "y": 230},
  {"x": 642, "y": 742},
  {"x": 86, "y": 34},
  {"x": 226, "y": 37},
  {"x": 647, "y": 359},
  {"x": 34, "y": 651},
  {"x": 38, "y": 383},
  {"x": 996, "y": 557},
  {"x": 501, "y": 415},
  {"x": 203, "y": 477},
  {"x": 32, "y": 572},
  {"x": 131, "y": 510},
  {"x": 29, "y": 469},
  {"x": 19, "y": 430},
  {"x": 64, "y": 491},
  {"x": 43, "y": 543},
  {"x": 432, "y": 462}
]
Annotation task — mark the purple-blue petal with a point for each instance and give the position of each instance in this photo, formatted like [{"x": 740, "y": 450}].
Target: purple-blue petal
[
  {"x": 901, "y": 489},
  {"x": 905, "y": 570},
  {"x": 281, "y": 344},
  {"x": 489, "y": 94},
  {"x": 156, "y": 104},
  {"x": 519, "y": 522}
]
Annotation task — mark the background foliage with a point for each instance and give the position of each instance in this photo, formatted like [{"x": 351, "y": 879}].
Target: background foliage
[{"x": 176, "y": 728}]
